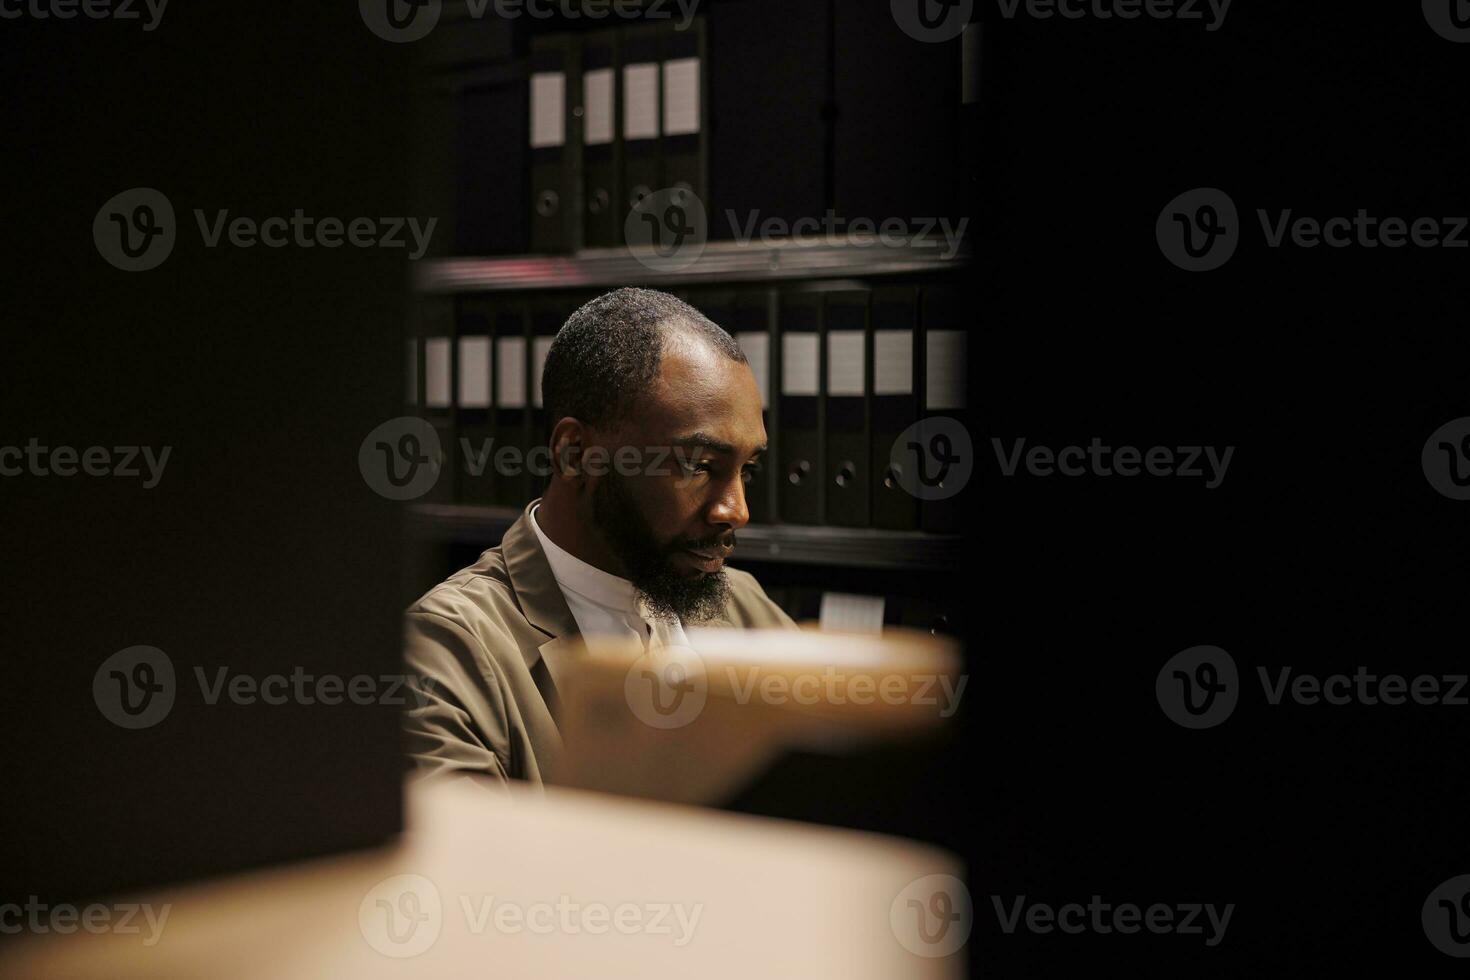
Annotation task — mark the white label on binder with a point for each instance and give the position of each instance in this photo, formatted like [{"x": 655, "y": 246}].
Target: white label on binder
[
  {"x": 436, "y": 373},
  {"x": 799, "y": 364},
  {"x": 845, "y": 363},
  {"x": 893, "y": 362},
  {"x": 640, "y": 102},
  {"x": 539, "y": 348},
  {"x": 757, "y": 347},
  {"x": 944, "y": 369},
  {"x": 597, "y": 95},
  {"x": 548, "y": 109},
  {"x": 847, "y": 613},
  {"x": 413, "y": 372},
  {"x": 510, "y": 372},
  {"x": 681, "y": 96},
  {"x": 474, "y": 372}
]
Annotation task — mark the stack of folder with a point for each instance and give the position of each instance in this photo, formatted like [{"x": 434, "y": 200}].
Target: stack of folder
[
  {"x": 555, "y": 138},
  {"x": 614, "y": 116}
]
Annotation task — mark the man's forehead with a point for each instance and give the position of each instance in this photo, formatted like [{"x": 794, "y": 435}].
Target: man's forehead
[
  {"x": 687, "y": 356},
  {"x": 699, "y": 387}
]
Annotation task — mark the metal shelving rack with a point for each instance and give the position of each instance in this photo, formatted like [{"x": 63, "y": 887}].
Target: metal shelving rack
[{"x": 720, "y": 262}]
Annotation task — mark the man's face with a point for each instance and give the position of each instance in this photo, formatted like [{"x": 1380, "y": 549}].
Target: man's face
[{"x": 672, "y": 522}]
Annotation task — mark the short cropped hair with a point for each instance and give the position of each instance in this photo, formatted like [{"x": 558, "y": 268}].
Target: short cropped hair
[{"x": 608, "y": 353}]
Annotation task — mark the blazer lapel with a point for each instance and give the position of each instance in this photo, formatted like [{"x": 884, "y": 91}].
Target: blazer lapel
[{"x": 538, "y": 595}]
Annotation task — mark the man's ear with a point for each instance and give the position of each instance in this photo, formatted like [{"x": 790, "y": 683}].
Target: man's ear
[{"x": 568, "y": 444}]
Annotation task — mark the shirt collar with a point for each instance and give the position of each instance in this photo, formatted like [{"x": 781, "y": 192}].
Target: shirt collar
[{"x": 588, "y": 581}]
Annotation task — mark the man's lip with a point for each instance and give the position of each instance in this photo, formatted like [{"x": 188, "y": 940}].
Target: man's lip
[
  {"x": 709, "y": 563},
  {"x": 712, "y": 553}
]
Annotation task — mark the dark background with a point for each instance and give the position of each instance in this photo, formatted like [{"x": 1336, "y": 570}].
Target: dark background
[
  {"x": 1324, "y": 549},
  {"x": 261, "y": 548}
]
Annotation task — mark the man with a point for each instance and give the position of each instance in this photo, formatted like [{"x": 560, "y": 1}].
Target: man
[{"x": 657, "y": 428}]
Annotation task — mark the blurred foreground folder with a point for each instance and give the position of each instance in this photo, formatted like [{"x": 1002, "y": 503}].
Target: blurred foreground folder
[
  {"x": 695, "y": 724},
  {"x": 522, "y": 882}
]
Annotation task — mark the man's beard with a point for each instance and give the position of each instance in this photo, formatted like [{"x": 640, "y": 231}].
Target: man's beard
[{"x": 665, "y": 590}]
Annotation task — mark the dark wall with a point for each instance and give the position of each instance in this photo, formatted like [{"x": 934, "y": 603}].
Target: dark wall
[
  {"x": 261, "y": 548},
  {"x": 1325, "y": 548}
]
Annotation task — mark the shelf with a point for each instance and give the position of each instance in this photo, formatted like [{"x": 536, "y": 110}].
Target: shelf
[
  {"x": 797, "y": 544},
  {"x": 721, "y": 262}
]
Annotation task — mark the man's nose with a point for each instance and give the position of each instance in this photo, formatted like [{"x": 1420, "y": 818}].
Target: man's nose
[{"x": 729, "y": 507}]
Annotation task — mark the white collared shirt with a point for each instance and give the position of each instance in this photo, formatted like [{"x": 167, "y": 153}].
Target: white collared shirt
[{"x": 603, "y": 604}]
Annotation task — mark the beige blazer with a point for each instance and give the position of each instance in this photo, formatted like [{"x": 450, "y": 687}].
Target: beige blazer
[{"x": 487, "y": 648}]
